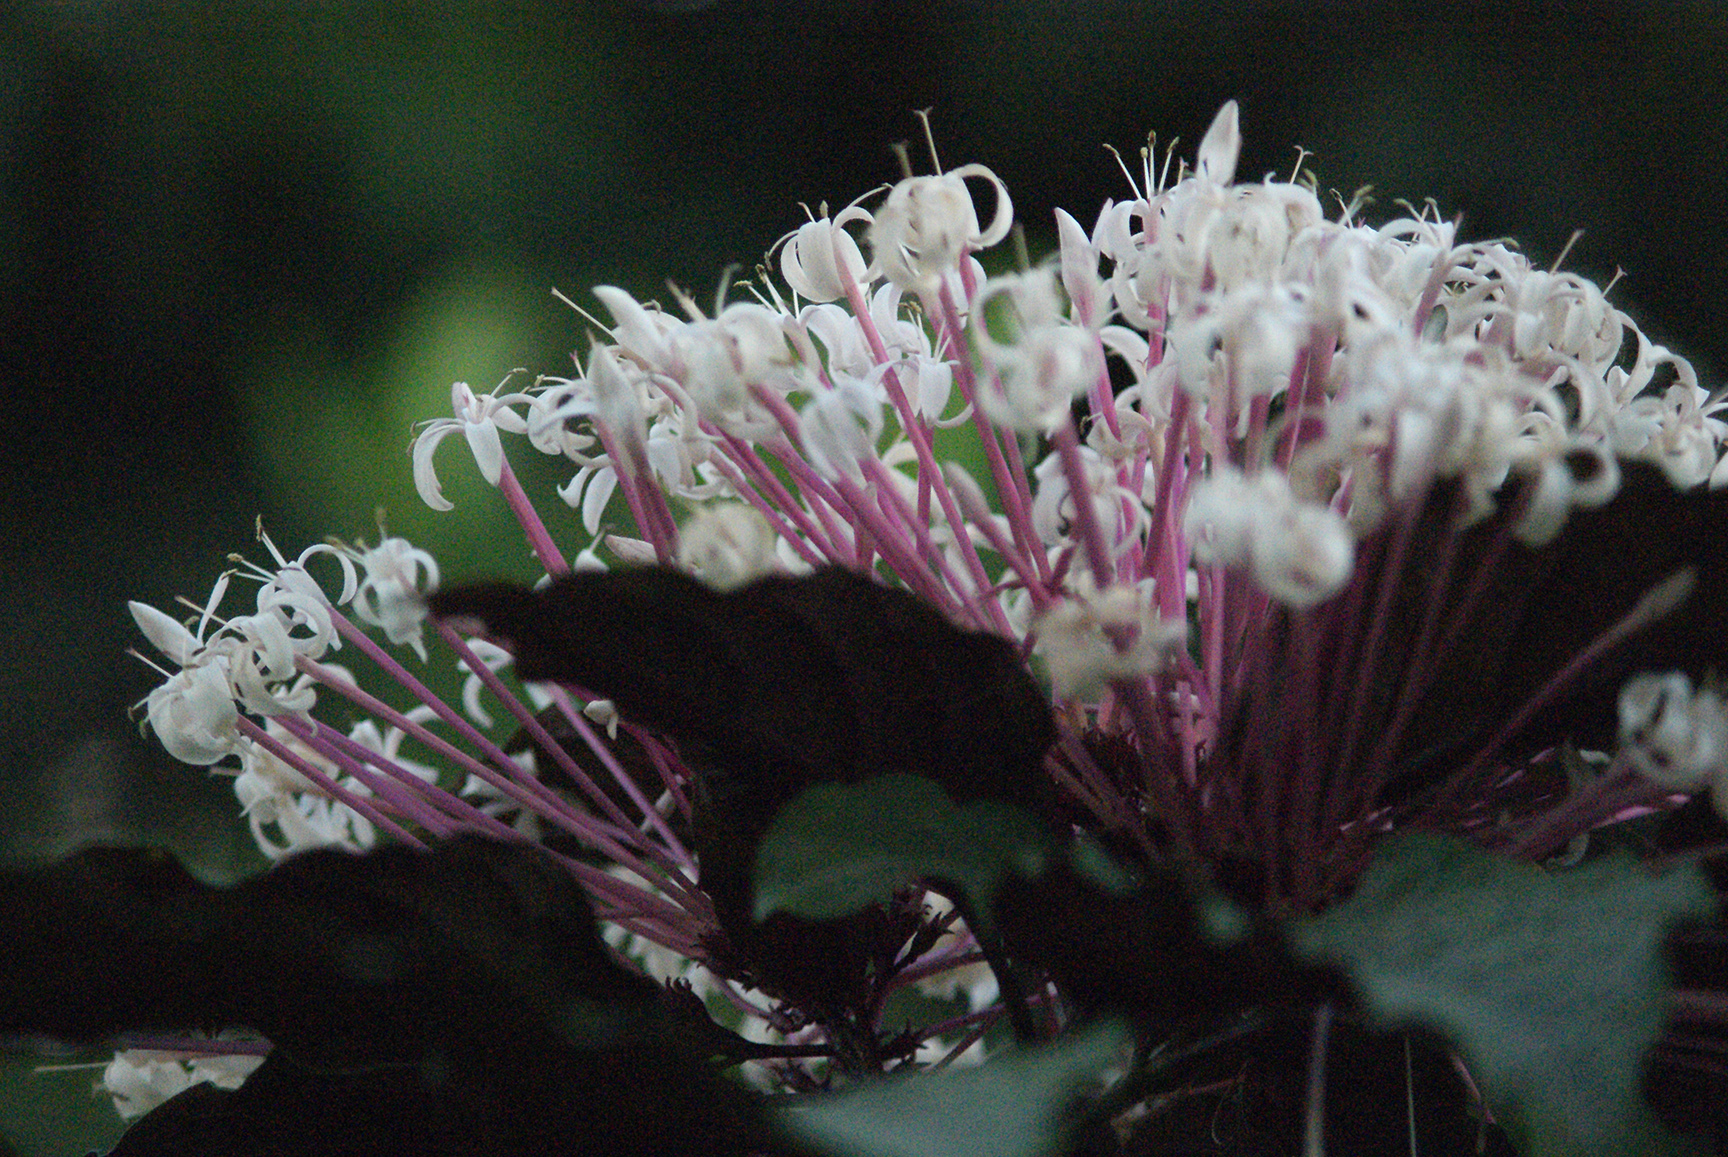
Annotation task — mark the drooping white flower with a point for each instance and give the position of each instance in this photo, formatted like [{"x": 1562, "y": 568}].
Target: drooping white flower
[
  {"x": 819, "y": 259},
  {"x": 479, "y": 418},
  {"x": 396, "y": 576},
  {"x": 1675, "y": 735},
  {"x": 194, "y": 715},
  {"x": 927, "y": 223}
]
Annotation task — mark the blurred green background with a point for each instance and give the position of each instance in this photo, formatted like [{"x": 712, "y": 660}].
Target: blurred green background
[{"x": 244, "y": 246}]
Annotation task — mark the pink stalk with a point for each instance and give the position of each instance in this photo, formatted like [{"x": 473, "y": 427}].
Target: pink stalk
[
  {"x": 530, "y": 723},
  {"x": 799, "y": 537},
  {"x": 411, "y": 804},
  {"x": 1091, "y": 535},
  {"x": 532, "y": 795},
  {"x": 324, "y": 783},
  {"x": 985, "y": 611},
  {"x": 647, "y": 510},
  {"x": 624, "y": 779},
  {"x": 1005, "y": 464},
  {"x": 1161, "y": 561},
  {"x": 539, "y": 538}
]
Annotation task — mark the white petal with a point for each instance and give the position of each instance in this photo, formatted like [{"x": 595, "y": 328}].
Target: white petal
[
  {"x": 167, "y": 635},
  {"x": 1079, "y": 269},
  {"x": 488, "y": 450},
  {"x": 1222, "y": 145},
  {"x": 425, "y": 477},
  {"x": 194, "y": 716},
  {"x": 595, "y": 498}
]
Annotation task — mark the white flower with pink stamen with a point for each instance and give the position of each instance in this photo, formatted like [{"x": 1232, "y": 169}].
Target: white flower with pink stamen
[{"x": 1185, "y": 464}]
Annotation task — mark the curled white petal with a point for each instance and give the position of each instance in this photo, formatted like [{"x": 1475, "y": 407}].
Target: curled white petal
[
  {"x": 618, "y": 407},
  {"x": 390, "y": 596},
  {"x": 815, "y": 254},
  {"x": 926, "y": 223},
  {"x": 194, "y": 715},
  {"x": 487, "y": 448},
  {"x": 1080, "y": 277},
  {"x": 636, "y": 329}
]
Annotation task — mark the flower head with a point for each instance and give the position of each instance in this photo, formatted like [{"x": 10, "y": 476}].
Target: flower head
[{"x": 1256, "y": 488}]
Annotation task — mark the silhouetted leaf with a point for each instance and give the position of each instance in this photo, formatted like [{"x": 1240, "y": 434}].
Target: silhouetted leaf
[
  {"x": 1551, "y": 985},
  {"x": 1538, "y": 608},
  {"x": 457, "y": 1000},
  {"x": 789, "y": 682},
  {"x": 1160, "y": 954}
]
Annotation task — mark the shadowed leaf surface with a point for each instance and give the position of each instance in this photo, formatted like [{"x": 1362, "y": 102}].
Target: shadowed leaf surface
[
  {"x": 1538, "y": 608},
  {"x": 457, "y": 1000},
  {"x": 1551, "y": 985},
  {"x": 840, "y": 847},
  {"x": 789, "y": 682},
  {"x": 1016, "y": 1106}
]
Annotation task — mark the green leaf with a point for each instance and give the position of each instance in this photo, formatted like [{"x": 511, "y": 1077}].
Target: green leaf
[
  {"x": 1011, "y": 1107},
  {"x": 837, "y": 848},
  {"x": 1551, "y": 985}
]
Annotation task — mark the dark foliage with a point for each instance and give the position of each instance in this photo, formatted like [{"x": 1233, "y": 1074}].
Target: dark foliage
[
  {"x": 786, "y": 683},
  {"x": 452, "y": 1001},
  {"x": 1516, "y": 615}
]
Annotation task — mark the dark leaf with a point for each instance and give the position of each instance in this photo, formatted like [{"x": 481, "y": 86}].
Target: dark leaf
[
  {"x": 1152, "y": 954},
  {"x": 768, "y": 690},
  {"x": 110, "y": 940},
  {"x": 452, "y": 1001},
  {"x": 1551, "y": 985},
  {"x": 786, "y": 682},
  {"x": 1542, "y": 606},
  {"x": 1016, "y": 1106}
]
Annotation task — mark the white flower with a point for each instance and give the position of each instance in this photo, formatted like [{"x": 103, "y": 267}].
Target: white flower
[
  {"x": 390, "y": 595},
  {"x": 1300, "y": 553},
  {"x": 1098, "y": 636},
  {"x": 194, "y": 715},
  {"x": 141, "y": 1079},
  {"x": 1673, "y": 735},
  {"x": 1044, "y": 362},
  {"x": 479, "y": 418},
  {"x": 819, "y": 258},
  {"x": 927, "y": 223},
  {"x": 727, "y": 545},
  {"x": 840, "y": 427}
]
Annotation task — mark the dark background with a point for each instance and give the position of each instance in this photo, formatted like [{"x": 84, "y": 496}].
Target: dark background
[{"x": 244, "y": 246}]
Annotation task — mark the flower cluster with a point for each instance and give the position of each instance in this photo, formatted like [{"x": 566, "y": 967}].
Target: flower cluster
[{"x": 1178, "y": 464}]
